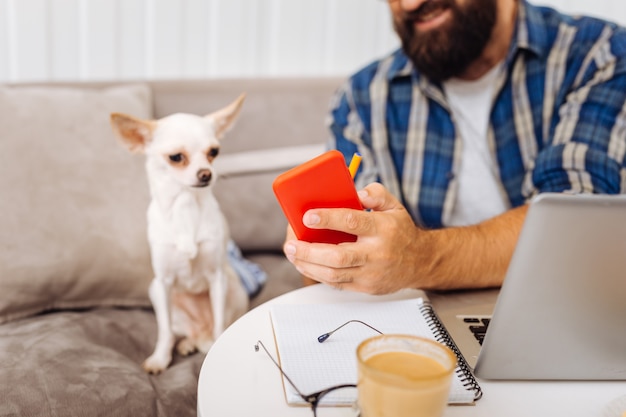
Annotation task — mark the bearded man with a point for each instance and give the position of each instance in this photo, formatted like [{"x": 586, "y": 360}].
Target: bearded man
[{"x": 487, "y": 104}]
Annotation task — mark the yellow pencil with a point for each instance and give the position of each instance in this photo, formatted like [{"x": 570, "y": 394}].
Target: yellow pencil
[{"x": 354, "y": 164}]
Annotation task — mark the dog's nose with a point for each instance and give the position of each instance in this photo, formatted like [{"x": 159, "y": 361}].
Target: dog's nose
[{"x": 204, "y": 175}]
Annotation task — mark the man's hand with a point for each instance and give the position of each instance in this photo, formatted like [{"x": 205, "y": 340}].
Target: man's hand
[
  {"x": 392, "y": 253},
  {"x": 381, "y": 261}
]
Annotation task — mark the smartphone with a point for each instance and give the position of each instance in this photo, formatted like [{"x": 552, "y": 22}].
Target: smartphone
[{"x": 322, "y": 182}]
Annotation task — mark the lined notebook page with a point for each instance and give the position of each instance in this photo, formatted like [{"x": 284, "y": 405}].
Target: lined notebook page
[{"x": 314, "y": 366}]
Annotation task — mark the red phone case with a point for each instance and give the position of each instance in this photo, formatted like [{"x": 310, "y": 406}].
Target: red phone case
[{"x": 322, "y": 182}]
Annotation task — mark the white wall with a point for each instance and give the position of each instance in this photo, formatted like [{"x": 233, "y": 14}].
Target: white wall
[{"x": 43, "y": 40}]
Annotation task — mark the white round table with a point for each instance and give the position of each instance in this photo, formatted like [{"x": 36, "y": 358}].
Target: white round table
[{"x": 237, "y": 381}]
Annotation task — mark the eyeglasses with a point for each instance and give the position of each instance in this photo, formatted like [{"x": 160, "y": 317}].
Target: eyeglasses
[{"x": 318, "y": 398}]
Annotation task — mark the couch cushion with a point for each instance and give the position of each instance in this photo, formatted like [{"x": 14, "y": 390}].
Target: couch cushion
[
  {"x": 282, "y": 276},
  {"x": 72, "y": 200},
  {"x": 88, "y": 363}
]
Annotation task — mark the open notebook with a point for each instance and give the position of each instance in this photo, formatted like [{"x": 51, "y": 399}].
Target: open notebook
[{"x": 314, "y": 366}]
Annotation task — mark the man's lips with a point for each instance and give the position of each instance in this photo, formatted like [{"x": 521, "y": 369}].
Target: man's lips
[
  {"x": 425, "y": 17},
  {"x": 428, "y": 11}
]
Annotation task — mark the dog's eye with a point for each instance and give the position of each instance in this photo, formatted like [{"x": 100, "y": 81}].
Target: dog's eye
[
  {"x": 177, "y": 158},
  {"x": 213, "y": 152}
]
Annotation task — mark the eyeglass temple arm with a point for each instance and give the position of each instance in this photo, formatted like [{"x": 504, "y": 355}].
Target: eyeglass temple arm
[
  {"x": 256, "y": 349},
  {"x": 325, "y": 336}
]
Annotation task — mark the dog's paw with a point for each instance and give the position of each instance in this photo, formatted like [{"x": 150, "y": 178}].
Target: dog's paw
[
  {"x": 204, "y": 345},
  {"x": 189, "y": 249},
  {"x": 186, "y": 346},
  {"x": 156, "y": 364}
]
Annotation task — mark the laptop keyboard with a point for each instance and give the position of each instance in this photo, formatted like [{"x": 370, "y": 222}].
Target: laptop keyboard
[{"x": 478, "y": 327}]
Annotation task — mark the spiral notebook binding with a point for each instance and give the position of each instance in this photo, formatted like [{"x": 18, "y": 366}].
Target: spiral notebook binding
[{"x": 442, "y": 336}]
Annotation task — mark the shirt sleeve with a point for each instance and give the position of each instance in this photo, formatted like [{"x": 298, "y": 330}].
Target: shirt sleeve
[{"x": 585, "y": 153}]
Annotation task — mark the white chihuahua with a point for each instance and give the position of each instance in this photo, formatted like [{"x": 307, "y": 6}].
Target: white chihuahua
[{"x": 195, "y": 292}]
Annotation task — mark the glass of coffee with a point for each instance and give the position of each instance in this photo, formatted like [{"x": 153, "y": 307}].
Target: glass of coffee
[{"x": 403, "y": 376}]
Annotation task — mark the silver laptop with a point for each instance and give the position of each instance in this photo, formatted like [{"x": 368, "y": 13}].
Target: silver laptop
[{"x": 561, "y": 312}]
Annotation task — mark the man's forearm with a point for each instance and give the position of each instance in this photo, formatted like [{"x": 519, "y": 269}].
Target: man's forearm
[{"x": 473, "y": 256}]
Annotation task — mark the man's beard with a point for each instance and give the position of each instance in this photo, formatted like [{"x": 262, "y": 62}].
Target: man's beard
[{"x": 447, "y": 51}]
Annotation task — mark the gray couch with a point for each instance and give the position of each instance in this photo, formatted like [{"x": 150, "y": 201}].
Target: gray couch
[{"x": 75, "y": 319}]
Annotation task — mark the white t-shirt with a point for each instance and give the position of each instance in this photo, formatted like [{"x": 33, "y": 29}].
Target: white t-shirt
[{"x": 480, "y": 195}]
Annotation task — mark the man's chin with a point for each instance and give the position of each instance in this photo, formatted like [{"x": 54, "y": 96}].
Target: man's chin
[{"x": 443, "y": 40}]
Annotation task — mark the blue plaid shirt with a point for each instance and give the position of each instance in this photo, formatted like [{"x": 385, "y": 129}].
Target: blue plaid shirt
[{"x": 558, "y": 121}]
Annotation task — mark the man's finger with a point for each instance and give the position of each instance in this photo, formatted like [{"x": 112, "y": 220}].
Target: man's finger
[{"x": 376, "y": 197}]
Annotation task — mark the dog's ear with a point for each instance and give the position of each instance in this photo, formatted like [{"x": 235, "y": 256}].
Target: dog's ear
[
  {"x": 134, "y": 133},
  {"x": 223, "y": 119}
]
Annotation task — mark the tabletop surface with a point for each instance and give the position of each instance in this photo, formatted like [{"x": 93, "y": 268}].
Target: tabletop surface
[{"x": 236, "y": 381}]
